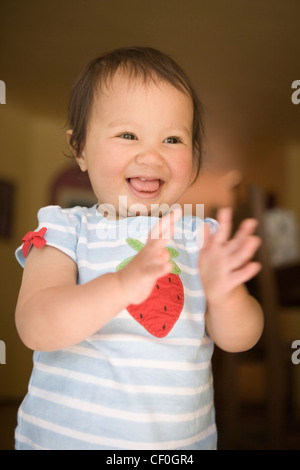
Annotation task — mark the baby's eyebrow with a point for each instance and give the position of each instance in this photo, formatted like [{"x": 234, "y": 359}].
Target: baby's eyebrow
[
  {"x": 169, "y": 130},
  {"x": 178, "y": 130},
  {"x": 120, "y": 122}
]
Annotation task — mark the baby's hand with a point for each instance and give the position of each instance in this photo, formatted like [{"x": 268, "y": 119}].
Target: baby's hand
[
  {"x": 225, "y": 263},
  {"x": 152, "y": 262}
]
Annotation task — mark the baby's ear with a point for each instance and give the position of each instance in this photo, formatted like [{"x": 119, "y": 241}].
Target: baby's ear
[
  {"x": 79, "y": 158},
  {"x": 69, "y": 135}
]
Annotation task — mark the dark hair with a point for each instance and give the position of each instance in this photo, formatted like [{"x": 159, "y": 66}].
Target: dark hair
[{"x": 145, "y": 62}]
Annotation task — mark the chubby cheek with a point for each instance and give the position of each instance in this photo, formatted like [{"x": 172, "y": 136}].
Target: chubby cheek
[
  {"x": 182, "y": 172},
  {"x": 105, "y": 163},
  {"x": 107, "y": 180}
]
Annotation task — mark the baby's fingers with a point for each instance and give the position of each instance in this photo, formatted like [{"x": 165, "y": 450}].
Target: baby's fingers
[
  {"x": 244, "y": 274},
  {"x": 243, "y": 235},
  {"x": 247, "y": 227},
  {"x": 158, "y": 260},
  {"x": 224, "y": 217},
  {"x": 244, "y": 252}
]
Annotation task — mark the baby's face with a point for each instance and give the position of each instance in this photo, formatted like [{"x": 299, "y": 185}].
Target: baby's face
[{"x": 139, "y": 145}]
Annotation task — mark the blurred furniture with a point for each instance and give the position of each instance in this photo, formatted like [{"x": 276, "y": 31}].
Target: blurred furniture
[
  {"x": 71, "y": 187},
  {"x": 7, "y": 195},
  {"x": 271, "y": 345},
  {"x": 263, "y": 426},
  {"x": 288, "y": 281}
]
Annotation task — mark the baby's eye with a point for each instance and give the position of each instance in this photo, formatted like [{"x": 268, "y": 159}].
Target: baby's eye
[
  {"x": 128, "y": 136},
  {"x": 172, "y": 140}
]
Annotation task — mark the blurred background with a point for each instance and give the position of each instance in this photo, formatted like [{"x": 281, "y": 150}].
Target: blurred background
[{"x": 242, "y": 57}]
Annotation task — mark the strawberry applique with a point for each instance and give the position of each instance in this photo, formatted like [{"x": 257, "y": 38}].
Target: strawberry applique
[{"x": 161, "y": 310}]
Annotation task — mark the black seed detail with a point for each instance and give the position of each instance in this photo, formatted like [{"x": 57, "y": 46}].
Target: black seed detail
[
  {"x": 157, "y": 286},
  {"x": 178, "y": 297},
  {"x": 165, "y": 308},
  {"x": 170, "y": 279},
  {"x": 164, "y": 327},
  {"x": 141, "y": 316}
]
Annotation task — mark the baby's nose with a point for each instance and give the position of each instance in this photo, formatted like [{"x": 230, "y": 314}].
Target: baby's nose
[{"x": 150, "y": 157}]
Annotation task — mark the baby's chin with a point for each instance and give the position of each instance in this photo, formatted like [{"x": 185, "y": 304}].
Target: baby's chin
[{"x": 126, "y": 206}]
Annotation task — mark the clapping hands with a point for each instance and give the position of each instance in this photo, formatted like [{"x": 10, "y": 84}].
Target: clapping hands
[{"x": 225, "y": 262}]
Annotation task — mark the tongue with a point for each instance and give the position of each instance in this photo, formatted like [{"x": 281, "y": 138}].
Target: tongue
[{"x": 146, "y": 186}]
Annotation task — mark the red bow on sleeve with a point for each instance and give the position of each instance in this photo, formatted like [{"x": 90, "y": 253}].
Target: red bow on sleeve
[{"x": 35, "y": 238}]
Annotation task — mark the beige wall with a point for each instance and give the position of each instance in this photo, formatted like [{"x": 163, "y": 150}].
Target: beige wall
[
  {"x": 15, "y": 148},
  {"x": 31, "y": 154}
]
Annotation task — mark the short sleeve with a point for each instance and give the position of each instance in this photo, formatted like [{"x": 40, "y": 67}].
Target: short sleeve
[
  {"x": 214, "y": 225},
  {"x": 62, "y": 231}
]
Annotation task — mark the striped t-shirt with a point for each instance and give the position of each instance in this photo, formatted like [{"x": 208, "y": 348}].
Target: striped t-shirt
[{"x": 122, "y": 388}]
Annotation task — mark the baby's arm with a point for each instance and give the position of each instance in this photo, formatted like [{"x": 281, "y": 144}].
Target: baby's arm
[
  {"x": 53, "y": 312},
  {"x": 234, "y": 319}
]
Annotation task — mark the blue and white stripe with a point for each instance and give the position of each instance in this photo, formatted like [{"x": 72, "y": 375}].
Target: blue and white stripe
[{"x": 122, "y": 388}]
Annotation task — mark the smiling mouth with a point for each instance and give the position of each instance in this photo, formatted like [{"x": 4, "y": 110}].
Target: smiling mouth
[{"x": 144, "y": 188}]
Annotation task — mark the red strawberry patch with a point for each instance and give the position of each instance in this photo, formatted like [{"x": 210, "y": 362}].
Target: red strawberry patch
[{"x": 161, "y": 310}]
